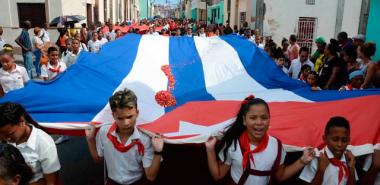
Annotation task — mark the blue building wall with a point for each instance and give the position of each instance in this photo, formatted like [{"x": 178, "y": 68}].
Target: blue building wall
[
  {"x": 373, "y": 27},
  {"x": 144, "y": 8},
  {"x": 218, "y": 10}
]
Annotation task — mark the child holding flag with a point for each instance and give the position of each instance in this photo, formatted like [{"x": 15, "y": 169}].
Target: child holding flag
[
  {"x": 335, "y": 165},
  {"x": 128, "y": 153},
  {"x": 246, "y": 148}
]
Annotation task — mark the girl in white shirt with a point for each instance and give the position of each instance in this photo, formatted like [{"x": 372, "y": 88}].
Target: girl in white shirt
[
  {"x": 253, "y": 156},
  {"x": 37, "y": 147}
]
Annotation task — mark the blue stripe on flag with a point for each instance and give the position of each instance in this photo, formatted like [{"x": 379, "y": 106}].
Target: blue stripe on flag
[
  {"x": 331, "y": 95},
  {"x": 260, "y": 66},
  {"x": 186, "y": 67},
  {"x": 82, "y": 91}
]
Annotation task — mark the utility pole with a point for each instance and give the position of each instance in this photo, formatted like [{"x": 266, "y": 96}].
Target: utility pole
[
  {"x": 339, "y": 17},
  {"x": 47, "y": 11}
]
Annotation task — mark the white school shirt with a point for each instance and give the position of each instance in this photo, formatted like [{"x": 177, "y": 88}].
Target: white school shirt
[
  {"x": 94, "y": 46},
  {"x": 13, "y": 80},
  {"x": 103, "y": 41},
  {"x": 202, "y": 34},
  {"x": 295, "y": 67},
  {"x": 70, "y": 58},
  {"x": 124, "y": 167},
  {"x": 331, "y": 174},
  {"x": 45, "y": 72},
  {"x": 367, "y": 165},
  {"x": 40, "y": 153},
  {"x": 263, "y": 161}
]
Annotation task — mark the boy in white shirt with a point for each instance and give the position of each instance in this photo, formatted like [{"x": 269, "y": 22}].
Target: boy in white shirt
[
  {"x": 54, "y": 66},
  {"x": 128, "y": 153},
  {"x": 335, "y": 165},
  {"x": 72, "y": 56},
  {"x": 12, "y": 76}
]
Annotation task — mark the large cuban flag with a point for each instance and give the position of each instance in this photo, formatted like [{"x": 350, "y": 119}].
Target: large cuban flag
[{"x": 191, "y": 88}]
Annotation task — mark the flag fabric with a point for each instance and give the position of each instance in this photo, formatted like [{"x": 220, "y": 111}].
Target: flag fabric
[{"x": 189, "y": 88}]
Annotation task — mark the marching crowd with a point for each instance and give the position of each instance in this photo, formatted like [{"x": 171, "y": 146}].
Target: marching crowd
[
  {"x": 343, "y": 63},
  {"x": 246, "y": 154}
]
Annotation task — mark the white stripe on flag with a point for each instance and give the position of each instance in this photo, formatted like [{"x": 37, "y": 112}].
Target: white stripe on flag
[
  {"x": 145, "y": 79},
  {"x": 226, "y": 77}
]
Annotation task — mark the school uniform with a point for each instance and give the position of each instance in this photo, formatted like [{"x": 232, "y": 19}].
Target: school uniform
[
  {"x": 331, "y": 175},
  {"x": 263, "y": 161},
  {"x": 347, "y": 88},
  {"x": 14, "y": 79},
  {"x": 51, "y": 72},
  {"x": 94, "y": 46},
  {"x": 40, "y": 153},
  {"x": 367, "y": 165},
  {"x": 124, "y": 167},
  {"x": 70, "y": 58}
]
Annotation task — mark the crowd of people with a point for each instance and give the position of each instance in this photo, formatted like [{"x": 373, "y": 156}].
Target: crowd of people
[
  {"x": 340, "y": 64},
  {"x": 246, "y": 151}
]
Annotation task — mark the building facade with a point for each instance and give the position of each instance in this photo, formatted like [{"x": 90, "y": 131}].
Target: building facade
[
  {"x": 118, "y": 10},
  {"x": 215, "y": 12},
  {"x": 146, "y": 7},
  {"x": 198, "y": 10},
  {"x": 307, "y": 19},
  {"x": 14, "y": 12}
]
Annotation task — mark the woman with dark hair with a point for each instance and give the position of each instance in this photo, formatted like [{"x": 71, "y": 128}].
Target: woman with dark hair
[
  {"x": 246, "y": 148},
  {"x": 13, "y": 168},
  {"x": 61, "y": 41},
  {"x": 18, "y": 128},
  {"x": 369, "y": 68},
  {"x": 349, "y": 57},
  {"x": 334, "y": 72}
]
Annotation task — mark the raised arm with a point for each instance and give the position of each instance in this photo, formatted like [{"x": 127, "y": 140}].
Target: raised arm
[
  {"x": 285, "y": 172},
  {"x": 217, "y": 168}
]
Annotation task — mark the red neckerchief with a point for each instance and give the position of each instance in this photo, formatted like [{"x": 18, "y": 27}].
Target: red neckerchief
[
  {"x": 342, "y": 167},
  {"x": 120, "y": 146},
  {"x": 248, "y": 153},
  {"x": 349, "y": 87},
  {"x": 58, "y": 70},
  {"x": 302, "y": 78}
]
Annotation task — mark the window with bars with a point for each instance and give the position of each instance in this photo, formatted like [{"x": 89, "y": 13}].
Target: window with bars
[
  {"x": 310, "y": 2},
  {"x": 305, "y": 32}
]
